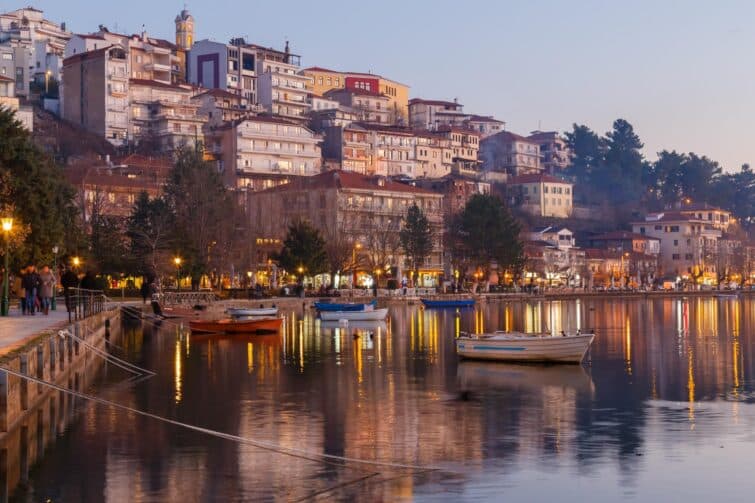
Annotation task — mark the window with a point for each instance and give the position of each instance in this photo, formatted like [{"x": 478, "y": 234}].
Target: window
[
  {"x": 674, "y": 228},
  {"x": 247, "y": 62},
  {"x": 676, "y": 242},
  {"x": 675, "y": 256},
  {"x": 687, "y": 256},
  {"x": 658, "y": 227},
  {"x": 545, "y": 189},
  {"x": 642, "y": 230},
  {"x": 177, "y": 128},
  {"x": 319, "y": 81}
]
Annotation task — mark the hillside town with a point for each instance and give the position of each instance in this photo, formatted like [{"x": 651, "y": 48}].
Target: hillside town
[{"x": 350, "y": 152}]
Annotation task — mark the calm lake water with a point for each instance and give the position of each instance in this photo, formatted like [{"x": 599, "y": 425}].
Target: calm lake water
[{"x": 662, "y": 410}]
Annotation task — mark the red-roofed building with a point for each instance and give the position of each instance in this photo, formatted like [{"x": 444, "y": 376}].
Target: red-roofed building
[
  {"x": 259, "y": 152},
  {"x": 625, "y": 241},
  {"x": 432, "y": 114},
  {"x": 555, "y": 155},
  {"x": 510, "y": 154},
  {"x": 369, "y": 105},
  {"x": 324, "y": 79},
  {"x": 541, "y": 195},
  {"x": 363, "y": 212}
]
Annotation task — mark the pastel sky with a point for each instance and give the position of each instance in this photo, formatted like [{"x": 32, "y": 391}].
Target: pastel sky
[{"x": 683, "y": 72}]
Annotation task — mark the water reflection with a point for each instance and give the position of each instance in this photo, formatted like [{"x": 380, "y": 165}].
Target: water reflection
[{"x": 667, "y": 382}]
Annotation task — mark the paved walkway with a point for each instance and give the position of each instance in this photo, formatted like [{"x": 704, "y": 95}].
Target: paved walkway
[{"x": 16, "y": 330}]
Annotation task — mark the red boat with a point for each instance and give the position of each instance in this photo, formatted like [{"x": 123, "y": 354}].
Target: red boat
[{"x": 230, "y": 326}]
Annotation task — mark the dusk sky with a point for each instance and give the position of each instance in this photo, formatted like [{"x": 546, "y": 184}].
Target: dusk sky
[{"x": 681, "y": 72}]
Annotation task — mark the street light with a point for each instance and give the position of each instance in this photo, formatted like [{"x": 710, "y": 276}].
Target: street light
[
  {"x": 55, "y": 251},
  {"x": 357, "y": 246},
  {"x": 76, "y": 262},
  {"x": 47, "y": 81},
  {"x": 7, "y": 224},
  {"x": 177, "y": 261}
]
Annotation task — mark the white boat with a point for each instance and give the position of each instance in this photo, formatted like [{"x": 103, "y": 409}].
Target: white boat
[
  {"x": 521, "y": 347},
  {"x": 727, "y": 295},
  {"x": 240, "y": 312},
  {"x": 370, "y": 314}
]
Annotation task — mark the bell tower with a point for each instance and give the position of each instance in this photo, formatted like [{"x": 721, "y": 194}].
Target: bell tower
[{"x": 184, "y": 30}]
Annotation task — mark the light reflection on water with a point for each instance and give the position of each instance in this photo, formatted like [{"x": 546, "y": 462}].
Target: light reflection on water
[{"x": 663, "y": 409}]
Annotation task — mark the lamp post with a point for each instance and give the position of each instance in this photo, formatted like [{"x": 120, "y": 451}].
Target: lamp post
[
  {"x": 55, "y": 250},
  {"x": 47, "y": 82},
  {"x": 7, "y": 225},
  {"x": 357, "y": 246},
  {"x": 177, "y": 261}
]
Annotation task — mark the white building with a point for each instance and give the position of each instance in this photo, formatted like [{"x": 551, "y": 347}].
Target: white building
[
  {"x": 256, "y": 151},
  {"x": 431, "y": 114},
  {"x": 282, "y": 91},
  {"x": 9, "y": 100},
  {"x": 37, "y": 44},
  {"x": 541, "y": 195}
]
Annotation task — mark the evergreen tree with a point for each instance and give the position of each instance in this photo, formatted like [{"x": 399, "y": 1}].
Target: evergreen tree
[
  {"x": 486, "y": 232},
  {"x": 41, "y": 199},
  {"x": 416, "y": 237},
  {"x": 621, "y": 175},
  {"x": 304, "y": 248}
]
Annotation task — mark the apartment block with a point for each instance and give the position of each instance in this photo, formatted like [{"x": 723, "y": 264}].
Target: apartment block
[
  {"x": 368, "y": 106},
  {"x": 541, "y": 195},
  {"x": 555, "y": 155},
  {"x": 510, "y": 154}
]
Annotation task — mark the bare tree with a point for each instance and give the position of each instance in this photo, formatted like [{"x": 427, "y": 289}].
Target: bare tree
[{"x": 381, "y": 241}]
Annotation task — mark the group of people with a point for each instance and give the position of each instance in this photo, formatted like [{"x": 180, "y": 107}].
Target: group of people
[{"x": 35, "y": 289}]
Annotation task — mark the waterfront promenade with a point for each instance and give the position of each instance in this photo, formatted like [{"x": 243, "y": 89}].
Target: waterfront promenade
[{"x": 16, "y": 330}]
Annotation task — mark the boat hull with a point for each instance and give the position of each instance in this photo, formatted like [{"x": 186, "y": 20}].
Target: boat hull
[
  {"x": 230, "y": 326},
  {"x": 238, "y": 312},
  {"x": 569, "y": 349},
  {"x": 341, "y": 307},
  {"x": 450, "y": 303},
  {"x": 375, "y": 314}
]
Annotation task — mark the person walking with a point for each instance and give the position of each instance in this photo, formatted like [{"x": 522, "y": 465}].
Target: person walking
[
  {"x": 31, "y": 283},
  {"x": 144, "y": 290},
  {"x": 47, "y": 288},
  {"x": 19, "y": 292},
  {"x": 69, "y": 280}
]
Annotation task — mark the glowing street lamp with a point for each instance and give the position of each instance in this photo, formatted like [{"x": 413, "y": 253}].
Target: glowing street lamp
[
  {"x": 177, "y": 261},
  {"x": 76, "y": 261},
  {"x": 55, "y": 250},
  {"x": 7, "y": 225}
]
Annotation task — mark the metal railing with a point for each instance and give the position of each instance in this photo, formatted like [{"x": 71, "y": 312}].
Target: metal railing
[
  {"x": 82, "y": 303},
  {"x": 186, "y": 298}
]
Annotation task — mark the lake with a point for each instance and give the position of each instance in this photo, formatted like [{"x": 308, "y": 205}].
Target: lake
[{"x": 662, "y": 409}]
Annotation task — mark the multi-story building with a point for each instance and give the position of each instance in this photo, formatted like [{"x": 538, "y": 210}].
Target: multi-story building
[
  {"x": 365, "y": 212},
  {"x": 541, "y": 195},
  {"x": 149, "y": 58},
  {"x": 113, "y": 187},
  {"x": 625, "y": 241},
  {"x": 456, "y": 190},
  {"x": 464, "y": 144},
  {"x": 718, "y": 218},
  {"x": 262, "y": 151},
  {"x": 510, "y": 153},
  {"x": 95, "y": 92},
  {"x": 555, "y": 155},
  {"x": 434, "y": 155},
  {"x": 163, "y": 116},
  {"x": 688, "y": 244},
  {"x": 486, "y": 125},
  {"x": 557, "y": 236},
  {"x": 324, "y": 80},
  {"x": 221, "y": 106},
  {"x": 9, "y": 101},
  {"x": 393, "y": 150},
  {"x": 432, "y": 114},
  {"x": 369, "y": 106},
  {"x": 37, "y": 46},
  {"x": 261, "y": 75},
  {"x": 349, "y": 145}
]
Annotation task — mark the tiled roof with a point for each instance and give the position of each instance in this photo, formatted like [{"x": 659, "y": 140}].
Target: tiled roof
[
  {"x": 508, "y": 136},
  {"x": 3, "y": 78},
  {"x": 86, "y": 55},
  {"x": 143, "y": 161},
  {"x": 155, "y": 83},
  {"x": 699, "y": 207},
  {"x": 440, "y": 103},
  {"x": 340, "y": 179},
  {"x": 220, "y": 93},
  {"x": 92, "y": 36},
  {"x": 537, "y": 178},
  {"x": 484, "y": 118},
  {"x": 360, "y": 92},
  {"x": 622, "y": 235}
]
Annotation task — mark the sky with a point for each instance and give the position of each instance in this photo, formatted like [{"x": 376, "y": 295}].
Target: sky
[{"x": 682, "y": 72}]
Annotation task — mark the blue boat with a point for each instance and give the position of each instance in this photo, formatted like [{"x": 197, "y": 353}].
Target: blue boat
[
  {"x": 444, "y": 303},
  {"x": 335, "y": 306}
]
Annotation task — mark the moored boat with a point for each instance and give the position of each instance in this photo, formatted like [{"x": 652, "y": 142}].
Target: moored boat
[
  {"x": 240, "y": 312},
  {"x": 355, "y": 324},
  {"x": 520, "y": 347},
  {"x": 445, "y": 303},
  {"x": 485, "y": 375},
  {"x": 370, "y": 314},
  {"x": 324, "y": 306},
  {"x": 231, "y": 326}
]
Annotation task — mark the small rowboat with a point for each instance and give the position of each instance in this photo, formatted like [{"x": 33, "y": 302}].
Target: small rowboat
[
  {"x": 371, "y": 314},
  {"x": 520, "y": 347},
  {"x": 241, "y": 312},
  {"x": 445, "y": 303},
  {"x": 230, "y": 326},
  {"x": 484, "y": 376},
  {"x": 335, "y": 306}
]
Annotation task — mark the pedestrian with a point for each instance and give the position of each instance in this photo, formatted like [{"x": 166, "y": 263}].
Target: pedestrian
[
  {"x": 144, "y": 290},
  {"x": 69, "y": 280},
  {"x": 47, "y": 288},
  {"x": 403, "y": 284},
  {"x": 19, "y": 291},
  {"x": 31, "y": 284}
]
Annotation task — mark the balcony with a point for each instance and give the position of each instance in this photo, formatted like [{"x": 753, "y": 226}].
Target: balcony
[{"x": 157, "y": 67}]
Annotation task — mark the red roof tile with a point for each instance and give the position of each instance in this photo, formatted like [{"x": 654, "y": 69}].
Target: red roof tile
[
  {"x": 537, "y": 178},
  {"x": 155, "y": 83},
  {"x": 340, "y": 179},
  {"x": 418, "y": 101},
  {"x": 622, "y": 235}
]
